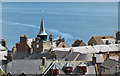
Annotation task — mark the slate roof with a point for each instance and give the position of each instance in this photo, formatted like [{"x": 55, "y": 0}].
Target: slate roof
[
  {"x": 85, "y": 49},
  {"x": 78, "y": 43},
  {"x": 26, "y": 66},
  {"x": 97, "y": 38},
  {"x": 75, "y": 64},
  {"x": 108, "y": 63},
  {"x": 96, "y": 48},
  {"x": 106, "y": 37},
  {"x": 88, "y": 57}
]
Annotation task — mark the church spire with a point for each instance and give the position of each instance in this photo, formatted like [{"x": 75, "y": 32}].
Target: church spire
[
  {"x": 42, "y": 28},
  {"x": 42, "y": 34}
]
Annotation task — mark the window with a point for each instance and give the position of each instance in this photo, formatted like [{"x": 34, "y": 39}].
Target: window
[
  {"x": 37, "y": 46},
  {"x": 107, "y": 42},
  {"x": 116, "y": 53},
  {"x": 68, "y": 70},
  {"x": 23, "y": 74},
  {"x": 63, "y": 46},
  {"x": 9, "y": 74},
  {"x": 54, "y": 72},
  {"x": 82, "y": 69}
]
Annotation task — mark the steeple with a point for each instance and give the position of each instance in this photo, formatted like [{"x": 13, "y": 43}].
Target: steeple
[
  {"x": 42, "y": 28},
  {"x": 42, "y": 34}
]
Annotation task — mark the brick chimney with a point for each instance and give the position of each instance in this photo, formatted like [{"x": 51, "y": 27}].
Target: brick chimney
[
  {"x": 50, "y": 36},
  {"x": 93, "y": 59},
  {"x": 60, "y": 38},
  {"x": 3, "y": 43},
  {"x": 107, "y": 55},
  {"x": 23, "y": 39},
  {"x": 14, "y": 49},
  {"x": 43, "y": 61}
]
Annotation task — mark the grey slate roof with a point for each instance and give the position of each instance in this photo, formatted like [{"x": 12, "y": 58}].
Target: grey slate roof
[
  {"x": 26, "y": 66},
  {"x": 108, "y": 63},
  {"x": 88, "y": 57},
  {"x": 61, "y": 55}
]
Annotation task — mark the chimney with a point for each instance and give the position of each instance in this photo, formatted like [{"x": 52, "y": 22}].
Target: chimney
[
  {"x": 43, "y": 61},
  {"x": 93, "y": 59},
  {"x": 60, "y": 38},
  {"x": 14, "y": 49},
  {"x": 23, "y": 39},
  {"x": 50, "y": 36},
  {"x": 63, "y": 40},
  {"x": 71, "y": 50},
  {"x": 107, "y": 54},
  {"x": 3, "y": 43},
  {"x": 9, "y": 57}
]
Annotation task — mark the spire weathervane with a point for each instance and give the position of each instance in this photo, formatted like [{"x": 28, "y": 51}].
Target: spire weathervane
[
  {"x": 42, "y": 34},
  {"x": 42, "y": 13}
]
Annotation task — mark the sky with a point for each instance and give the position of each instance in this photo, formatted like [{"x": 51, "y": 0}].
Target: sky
[{"x": 59, "y": 0}]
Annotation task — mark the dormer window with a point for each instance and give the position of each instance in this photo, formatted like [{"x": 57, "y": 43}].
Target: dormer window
[
  {"x": 63, "y": 46},
  {"x": 82, "y": 68},
  {"x": 54, "y": 70},
  {"x": 68, "y": 69}
]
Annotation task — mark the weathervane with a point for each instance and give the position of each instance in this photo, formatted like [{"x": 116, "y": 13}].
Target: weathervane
[{"x": 42, "y": 13}]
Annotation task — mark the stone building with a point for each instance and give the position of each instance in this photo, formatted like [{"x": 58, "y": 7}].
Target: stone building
[
  {"x": 38, "y": 44},
  {"x": 95, "y": 39}
]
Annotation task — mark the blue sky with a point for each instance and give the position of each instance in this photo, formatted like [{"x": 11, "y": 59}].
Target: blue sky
[{"x": 60, "y": 0}]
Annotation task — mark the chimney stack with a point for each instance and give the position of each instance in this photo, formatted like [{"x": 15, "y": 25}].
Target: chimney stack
[
  {"x": 43, "y": 61},
  {"x": 23, "y": 39},
  {"x": 60, "y": 38},
  {"x": 93, "y": 59},
  {"x": 107, "y": 54},
  {"x": 71, "y": 50},
  {"x": 3, "y": 43},
  {"x": 50, "y": 36},
  {"x": 14, "y": 49}
]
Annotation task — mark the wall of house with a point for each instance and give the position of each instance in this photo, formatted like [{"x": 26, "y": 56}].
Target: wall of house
[
  {"x": 61, "y": 44},
  {"x": 111, "y": 54},
  {"x": 46, "y": 45},
  {"x": 22, "y": 45},
  {"x": 37, "y": 45}
]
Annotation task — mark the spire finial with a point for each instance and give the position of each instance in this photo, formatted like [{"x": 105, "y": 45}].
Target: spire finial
[{"x": 42, "y": 13}]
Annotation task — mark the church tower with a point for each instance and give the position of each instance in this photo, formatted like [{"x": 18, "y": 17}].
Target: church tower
[{"x": 42, "y": 34}]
